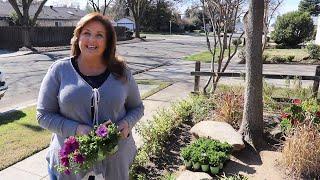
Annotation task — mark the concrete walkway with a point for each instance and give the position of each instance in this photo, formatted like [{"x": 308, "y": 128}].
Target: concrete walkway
[{"x": 35, "y": 167}]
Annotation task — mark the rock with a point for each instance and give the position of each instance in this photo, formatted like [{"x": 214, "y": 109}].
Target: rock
[
  {"x": 189, "y": 175},
  {"x": 221, "y": 131}
]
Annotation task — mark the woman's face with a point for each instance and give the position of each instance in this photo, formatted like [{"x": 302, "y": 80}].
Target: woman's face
[{"x": 92, "y": 40}]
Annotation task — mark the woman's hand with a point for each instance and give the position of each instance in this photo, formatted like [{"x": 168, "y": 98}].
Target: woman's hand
[
  {"x": 83, "y": 129},
  {"x": 123, "y": 127}
]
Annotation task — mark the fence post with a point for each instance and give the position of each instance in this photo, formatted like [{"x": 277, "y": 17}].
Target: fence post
[
  {"x": 316, "y": 83},
  {"x": 197, "y": 78}
]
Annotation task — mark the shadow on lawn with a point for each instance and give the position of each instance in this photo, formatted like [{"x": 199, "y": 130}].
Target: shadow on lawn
[
  {"x": 11, "y": 116},
  {"x": 33, "y": 127}
]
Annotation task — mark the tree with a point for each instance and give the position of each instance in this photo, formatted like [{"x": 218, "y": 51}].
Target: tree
[
  {"x": 292, "y": 28},
  {"x": 252, "y": 123},
  {"x": 97, "y": 7},
  {"x": 222, "y": 17},
  {"x": 138, "y": 7},
  {"x": 158, "y": 14},
  {"x": 24, "y": 18},
  {"x": 310, "y": 6},
  {"x": 270, "y": 8}
]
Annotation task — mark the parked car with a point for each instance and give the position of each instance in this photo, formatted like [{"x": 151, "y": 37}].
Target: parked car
[{"x": 3, "y": 85}]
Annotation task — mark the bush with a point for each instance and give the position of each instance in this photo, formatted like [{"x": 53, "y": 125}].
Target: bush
[
  {"x": 230, "y": 107},
  {"x": 236, "y": 42},
  {"x": 314, "y": 51},
  {"x": 281, "y": 59},
  {"x": 301, "y": 151},
  {"x": 292, "y": 28}
]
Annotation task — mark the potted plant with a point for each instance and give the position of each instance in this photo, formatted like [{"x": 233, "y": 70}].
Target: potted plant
[
  {"x": 186, "y": 155},
  {"x": 204, "y": 161},
  {"x": 214, "y": 162},
  {"x": 195, "y": 156}
]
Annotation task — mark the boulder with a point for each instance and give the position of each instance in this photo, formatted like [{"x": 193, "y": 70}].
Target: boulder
[
  {"x": 221, "y": 131},
  {"x": 189, "y": 175}
]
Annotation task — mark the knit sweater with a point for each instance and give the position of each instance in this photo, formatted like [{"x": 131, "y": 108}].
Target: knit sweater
[{"x": 64, "y": 102}]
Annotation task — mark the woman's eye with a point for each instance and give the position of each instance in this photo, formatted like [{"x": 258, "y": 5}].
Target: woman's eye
[
  {"x": 100, "y": 36},
  {"x": 86, "y": 33}
]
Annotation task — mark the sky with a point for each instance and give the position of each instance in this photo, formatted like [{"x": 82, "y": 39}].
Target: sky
[{"x": 288, "y": 5}]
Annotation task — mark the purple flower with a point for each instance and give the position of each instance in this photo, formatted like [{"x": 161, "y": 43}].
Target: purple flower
[
  {"x": 64, "y": 161},
  {"x": 102, "y": 131},
  {"x": 67, "y": 172},
  {"x": 78, "y": 158},
  {"x": 70, "y": 145}
]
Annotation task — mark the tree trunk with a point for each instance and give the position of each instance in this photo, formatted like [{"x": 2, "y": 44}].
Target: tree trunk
[
  {"x": 26, "y": 36},
  {"x": 137, "y": 30},
  {"x": 252, "y": 121}
]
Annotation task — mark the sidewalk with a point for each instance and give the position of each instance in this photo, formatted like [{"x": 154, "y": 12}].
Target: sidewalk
[{"x": 35, "y": 167}]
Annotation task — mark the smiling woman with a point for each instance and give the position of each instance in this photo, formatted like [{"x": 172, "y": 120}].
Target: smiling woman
[{"x": 88, "y": 89}]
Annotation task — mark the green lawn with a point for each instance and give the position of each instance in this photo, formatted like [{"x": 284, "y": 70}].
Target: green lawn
[
  {"x": 206, "y": 56},
  {"x": 297, "y": 53},
  {"x": 20, "y": 136}
]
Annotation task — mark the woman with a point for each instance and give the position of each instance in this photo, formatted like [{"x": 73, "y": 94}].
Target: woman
[{"x": 89, "y": 88}]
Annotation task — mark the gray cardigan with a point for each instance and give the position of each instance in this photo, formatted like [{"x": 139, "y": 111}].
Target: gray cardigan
[{"x": 65, "y": 101}]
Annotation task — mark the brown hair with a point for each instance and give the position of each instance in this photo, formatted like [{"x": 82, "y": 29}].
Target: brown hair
[{"x": 115, "y": 65}]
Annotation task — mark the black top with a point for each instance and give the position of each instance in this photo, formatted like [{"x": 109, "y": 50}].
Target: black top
[{"x": 93, "y": 81}]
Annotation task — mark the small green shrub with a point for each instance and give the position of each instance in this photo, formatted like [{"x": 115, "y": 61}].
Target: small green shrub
[
  {"x": 314, "y": 51},
  {"x": 236, "y": 42}
]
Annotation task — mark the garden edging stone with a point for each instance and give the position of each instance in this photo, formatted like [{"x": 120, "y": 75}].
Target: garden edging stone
[
  {"x": 189, "y": 175},
  {"x": 220, "y": 131}
]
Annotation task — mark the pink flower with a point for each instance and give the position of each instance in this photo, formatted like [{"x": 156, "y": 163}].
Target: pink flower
[
  {"x": 297, "y": 101},
  {"x": 64, "y": 161},
  {"x": 70, "y": 145},
  {"x": 102, "y": 131},
  {"x": 67, "y": 172},
  {"x": 78, "y": 158}
]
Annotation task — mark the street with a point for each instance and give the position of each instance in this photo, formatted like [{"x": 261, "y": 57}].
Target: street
[{"x": 24, "y": 73}]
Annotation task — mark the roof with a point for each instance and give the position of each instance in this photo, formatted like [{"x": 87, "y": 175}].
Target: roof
[
  {"x": 48, "y": 12},
  {"x": 126, "y": 18}
]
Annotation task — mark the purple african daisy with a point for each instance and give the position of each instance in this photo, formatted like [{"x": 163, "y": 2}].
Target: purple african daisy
[
  {"x": 78, "y": 158},
  {"x": 65, "y": 161},
  {"x": 71, "y": 144},
  {"x": 102, "y": 131}
]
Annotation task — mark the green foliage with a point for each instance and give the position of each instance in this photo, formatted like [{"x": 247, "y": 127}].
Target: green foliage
[
  {"x": 236, "y": 42},
  {"x": 314, "y": 51},
  {"x": 157, "y": 131},
  {"x": 300, "y": 112},
  {"x": 201, "y": 106},
  {"x": 310, "y": 6},
  {"x": 207, "y": 152},
  {"x": 234, "y": 177},
  {"x": 281, "y": 59},
  {"x": 292, "y": 28}
]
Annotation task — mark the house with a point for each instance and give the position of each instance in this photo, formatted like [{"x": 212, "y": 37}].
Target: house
[
  {"x": 127, "y": 22},
  {"x": 49, "y": 16}
]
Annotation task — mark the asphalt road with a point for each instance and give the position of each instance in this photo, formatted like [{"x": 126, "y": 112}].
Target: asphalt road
[{"x": 24, "y": 73}]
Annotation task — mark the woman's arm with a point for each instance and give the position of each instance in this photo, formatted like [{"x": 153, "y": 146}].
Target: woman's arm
[
  {"x": 48, "y": 114},
  {"x": 134, "y": 105}
]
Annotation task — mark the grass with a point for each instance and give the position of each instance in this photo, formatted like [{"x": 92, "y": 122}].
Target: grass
[
  {"x": 298, "y": 54},
  {"x": 20, "y": 136},
  {"x": 206, "y": 56},
  {"x": 160, "y": 85}
]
